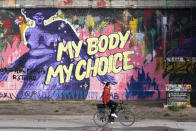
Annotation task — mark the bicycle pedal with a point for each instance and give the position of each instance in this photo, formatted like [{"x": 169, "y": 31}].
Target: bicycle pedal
[{"x": 111, "y": 122}]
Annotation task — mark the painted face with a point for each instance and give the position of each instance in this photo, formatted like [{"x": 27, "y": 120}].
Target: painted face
[{"x": 39, "y": 18}]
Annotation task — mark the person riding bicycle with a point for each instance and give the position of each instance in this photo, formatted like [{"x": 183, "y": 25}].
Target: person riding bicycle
[{"x": 106, "y": 100}]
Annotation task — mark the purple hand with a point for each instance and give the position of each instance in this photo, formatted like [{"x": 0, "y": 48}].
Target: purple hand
[
  {"x": 107, "y": 78},
  {"x": 3, "y": 76}
]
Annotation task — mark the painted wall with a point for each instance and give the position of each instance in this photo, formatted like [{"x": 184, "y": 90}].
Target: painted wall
[{"x": 60, "y": 54}]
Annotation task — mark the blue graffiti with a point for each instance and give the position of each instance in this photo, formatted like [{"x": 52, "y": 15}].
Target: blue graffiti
[
  {"x": 69, "y": 94},
  {"x": 141, "y": 87}
]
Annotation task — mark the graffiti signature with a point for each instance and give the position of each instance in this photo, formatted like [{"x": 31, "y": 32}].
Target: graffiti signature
[
  {"x": 61, "y": 3},
  {"x": 101, "y": 4}
]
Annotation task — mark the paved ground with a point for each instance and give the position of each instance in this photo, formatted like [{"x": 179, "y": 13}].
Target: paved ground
[
  {"x": 142, "y": 109},
  {"x": 77, "y": 116},
  {"x": 78, "y": 123}
]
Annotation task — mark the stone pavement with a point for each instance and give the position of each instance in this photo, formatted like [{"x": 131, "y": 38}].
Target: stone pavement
[{"x": 77, "y": 123}]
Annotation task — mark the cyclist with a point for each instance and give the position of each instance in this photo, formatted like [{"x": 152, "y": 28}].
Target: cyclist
[{"x": 106, "y": 100}]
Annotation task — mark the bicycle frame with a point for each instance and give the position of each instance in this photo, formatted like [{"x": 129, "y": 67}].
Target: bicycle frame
[
  {"x": 105, "y": 115},
  {"x": 120, "y": 107}
]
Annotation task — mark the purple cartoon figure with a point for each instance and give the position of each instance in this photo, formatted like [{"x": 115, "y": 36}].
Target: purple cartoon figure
[{"x": 42, "y": 41}]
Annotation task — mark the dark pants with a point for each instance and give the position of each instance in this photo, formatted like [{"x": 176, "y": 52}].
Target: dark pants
[{"x": 112, "y": 105}]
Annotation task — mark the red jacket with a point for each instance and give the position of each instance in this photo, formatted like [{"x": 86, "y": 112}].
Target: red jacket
[{"x": 106, "y": 95}]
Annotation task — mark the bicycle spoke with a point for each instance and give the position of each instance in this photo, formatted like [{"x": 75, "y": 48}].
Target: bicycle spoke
[
  {"x": 127, "y": 118},
  {"x": 101, "y": 118}
]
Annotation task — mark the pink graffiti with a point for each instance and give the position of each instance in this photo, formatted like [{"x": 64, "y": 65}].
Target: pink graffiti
[
  {"x": 101, "y": 4},
  {"x": 137, "y": 60},
  {"x": 10, "y": 55},
  {"x": 124, "y": 76},
  {"x": 13, "y": 52},
  {"x": 61, "y": 3}
]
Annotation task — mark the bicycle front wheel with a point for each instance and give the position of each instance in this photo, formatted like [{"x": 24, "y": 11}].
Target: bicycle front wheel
[
  {"x": 127, "y": 118},
  {"x": 101, "y": 118}
]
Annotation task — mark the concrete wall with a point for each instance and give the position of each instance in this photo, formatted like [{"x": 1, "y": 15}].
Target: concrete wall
[
  {"x": 98, "y": 3},
  {"x": 142, "y": 50}
]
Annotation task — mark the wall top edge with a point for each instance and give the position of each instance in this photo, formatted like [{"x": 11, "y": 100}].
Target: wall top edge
[
  {"x": 101, "y": 8},
  {"x": 98, "y": 4}
]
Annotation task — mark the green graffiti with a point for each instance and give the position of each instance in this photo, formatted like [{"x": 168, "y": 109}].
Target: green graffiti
[
  {"x": 2, "y": 41},
  {"x": 166, "y": 2},
  {"x": 3, "y": 31},
  {"x": 1, "y": 48},
  {"x": 174, "y": 43},
  {"x": 153, "y": 32},
  {"x": 184, "y": 20},
  {"x": 1, "y": 35},
  {"x": 81, "y": 20},
  {"x": 139, "y": 13}
]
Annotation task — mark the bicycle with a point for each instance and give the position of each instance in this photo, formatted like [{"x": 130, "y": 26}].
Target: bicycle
[{"x": 102, "y": 116}]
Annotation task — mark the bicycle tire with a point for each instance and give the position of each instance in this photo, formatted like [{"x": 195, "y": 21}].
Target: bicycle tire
[
  {"x": 101, "y": 118},
  {"x": 127, "y": 118}
]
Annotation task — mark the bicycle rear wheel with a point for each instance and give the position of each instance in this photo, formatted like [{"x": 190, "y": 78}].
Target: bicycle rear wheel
[
  {"x": 126, "y": 118},
  {"x": 101, "y": 118}
]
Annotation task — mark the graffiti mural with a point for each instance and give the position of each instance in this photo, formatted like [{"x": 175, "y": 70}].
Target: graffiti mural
[
  {"x": 142, "y": 86},
  {"x": 60, "y": 54}
]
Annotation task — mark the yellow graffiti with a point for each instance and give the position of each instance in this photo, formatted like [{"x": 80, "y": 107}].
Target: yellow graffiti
[
  {"x": 143, "y": 48},
  {"x": 158, "y": 13},
  {"x": 99, "y": 66},
  {"x": 103, "y": 61},
  {"x": 104, "y": 65},
  {"x": 102, "y": 25},
  {"x": 110, "y": 60},
  {"x": 117, "y": 57},
  {"x": 71, "y": 47},
  {"x": 60, "y": 70},
  {"x": 90, "y": 21},
  {"x": 1, "y": 23},
  {"x": 112, "y": 42},
  {"x": 160, "y": 64},
  {"x": 179, "y": 65},
  {"x": 133, "y": 26},
  {"x": 91, "y": 67},
  {"x": 123, "y": 39},
  {"x": 23, "y": 26},
  {"x": 103, "y": 47},
  {"x": 59, "y": 16},
  {"x": 92, "y": 45},
  {"x": 127, "y": 59},
  {"x": 77, "y": 72}
]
